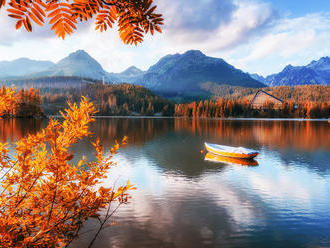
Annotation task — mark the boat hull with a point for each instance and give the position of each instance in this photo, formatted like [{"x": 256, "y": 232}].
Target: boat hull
[
  {"x": 229, "y": 160},
  {"x": 230, "y": 154}
]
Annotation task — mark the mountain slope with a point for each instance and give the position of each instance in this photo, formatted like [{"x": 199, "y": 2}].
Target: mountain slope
[
  {"x": 258, "y": 77},
  {"x": 23, "y": 66},
  {"x": 79, "y": 64},
  {"x": 316, "y": 72},
  {"x": 183, "y": 74},
  {"x": 128, "y": 75}
]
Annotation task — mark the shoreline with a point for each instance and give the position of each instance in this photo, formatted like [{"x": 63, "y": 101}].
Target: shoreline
[
  {"x": 190, "y": 118},
  {"x": 177, "y": 117}
]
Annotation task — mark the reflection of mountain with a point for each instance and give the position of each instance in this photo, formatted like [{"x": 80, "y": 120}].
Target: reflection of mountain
[
  {"x": 178, "y": 140},
  {"x": 169, "y": 210},
  {"x": 182, "y": 201},
  {"x": 317, "y": 161},
  {"x": 179, "y": 152},
  {"x": 265, "y": 206}
]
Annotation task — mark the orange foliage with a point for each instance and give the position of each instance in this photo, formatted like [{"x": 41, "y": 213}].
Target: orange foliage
[
  {"x": 242, "y": 108},
  {"x": 45, "y": 197},
  {"x": 134, "y": 18},
  {"x": 7, "y": 99},
  {"x": 25, "y": 103}
]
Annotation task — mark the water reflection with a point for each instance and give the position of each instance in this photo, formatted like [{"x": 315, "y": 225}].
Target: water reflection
[
  {"x": 302, "y": 135},
  {"x": 184, "y": 201},
  {"x": 227, "y": 160},
  {"x": 13, "y": 129}
]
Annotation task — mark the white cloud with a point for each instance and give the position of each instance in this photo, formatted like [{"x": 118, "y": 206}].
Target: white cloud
[
  {"x": 248, "y": 34},
  {"x": 242, "y": 20},
  {"x": 294, "y": 41}
]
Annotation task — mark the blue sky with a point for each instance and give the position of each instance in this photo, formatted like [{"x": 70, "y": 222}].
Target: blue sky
[
  {"x": 301, "y": 7},
  {"x": 257, "y": 36}
]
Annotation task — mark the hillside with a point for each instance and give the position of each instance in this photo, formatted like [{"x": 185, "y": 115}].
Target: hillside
[
  {"x": 300, "y": 93},
  {"x": 22, "y": 67},
  {"x": 115, "y": 99},
  {"x": 55, "y": 82}
]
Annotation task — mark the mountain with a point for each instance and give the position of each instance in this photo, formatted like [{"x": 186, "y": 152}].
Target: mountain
[
  {"x": 128, "y": 75},
  {"x": 79, "y": 64},
  {"x": 258, "y": 77},
  {"x": 131, "y": 72},
  {"x": 23, "y": 66},
  {"x": 173, "y": 75},
  {"x": 184, "y": 74},
  {"x": 316, "y": 72}
]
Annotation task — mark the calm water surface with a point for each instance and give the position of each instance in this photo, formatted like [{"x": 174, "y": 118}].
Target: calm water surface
[{"x": 184, "y": 201}]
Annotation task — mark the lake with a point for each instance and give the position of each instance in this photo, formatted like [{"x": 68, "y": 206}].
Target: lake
[{"x": 184, "y": 201}]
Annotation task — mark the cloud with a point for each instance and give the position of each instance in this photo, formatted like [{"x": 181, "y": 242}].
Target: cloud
[
  {"x": 215, "y": 25},
  {"x": 192, "y": 15},
  {"x": 9, "y": 35},
  {"x": 294, "y": 41},
  {"x": 249, "y": 34}
]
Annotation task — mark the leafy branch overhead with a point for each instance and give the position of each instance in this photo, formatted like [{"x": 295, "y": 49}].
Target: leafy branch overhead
[{"x": 134, "y": 18}]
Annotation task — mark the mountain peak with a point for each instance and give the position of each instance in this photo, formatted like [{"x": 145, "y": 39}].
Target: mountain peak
[
  {"x": 23, "y": 59},
  {"x": 80, "y": 54},
  {"x": 78, "y": 63},
  {"x": 325, "y": 59},
  {"x": 131, "y": 72},
  {"x": 132, "y": 69},
  {"x": 194, "y": 53},
  {"x": 289, "y": 67}
]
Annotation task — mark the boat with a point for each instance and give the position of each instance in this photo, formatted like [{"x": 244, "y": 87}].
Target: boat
[
  {"x": 229, "y": 151},
  {"x": 228, "y": 160}
]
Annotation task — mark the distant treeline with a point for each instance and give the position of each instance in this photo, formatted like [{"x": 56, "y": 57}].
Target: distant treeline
[
  {"x": 112, "y": 100},
  {"x": 48, "y": 84},
  {"x": 27, "y": 104},
  {"x": 222, "y": 108},
  {"x": 307, "y": 101}
]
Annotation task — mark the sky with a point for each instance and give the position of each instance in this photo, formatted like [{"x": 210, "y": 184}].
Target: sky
[{"x": 256, "y": 36}]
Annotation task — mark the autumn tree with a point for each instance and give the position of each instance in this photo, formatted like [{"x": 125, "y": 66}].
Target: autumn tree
[
  {"x": 134, "y": 18},
  {"x": 24, "y": 103},
  {"x": 45, "y": 196},
  {"x": 242, "y": 108},
  {"x": 7, "y": 100}
]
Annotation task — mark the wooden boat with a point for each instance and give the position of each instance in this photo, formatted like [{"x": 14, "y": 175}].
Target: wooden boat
[
  {"x": 228, "y": 160},
  {"x": 229, "y": 151}
]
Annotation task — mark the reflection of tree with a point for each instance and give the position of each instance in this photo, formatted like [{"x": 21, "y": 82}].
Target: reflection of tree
[
  {"x": 138, "y": 130},
  {"x": 282, "y": 134},
  {"x": 180, "y": 152},
  {"x": 13, "y": 129},
  {"x": 303, "y": 135}
]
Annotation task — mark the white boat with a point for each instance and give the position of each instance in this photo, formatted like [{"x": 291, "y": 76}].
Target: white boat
[{"x": 229, "y": 151}]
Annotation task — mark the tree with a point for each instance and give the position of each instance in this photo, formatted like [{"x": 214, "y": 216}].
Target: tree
[
  {"x": 45, "y": 196},
  {"x": 7, "y": 100},
  {"x": 134, "y": 18}
]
